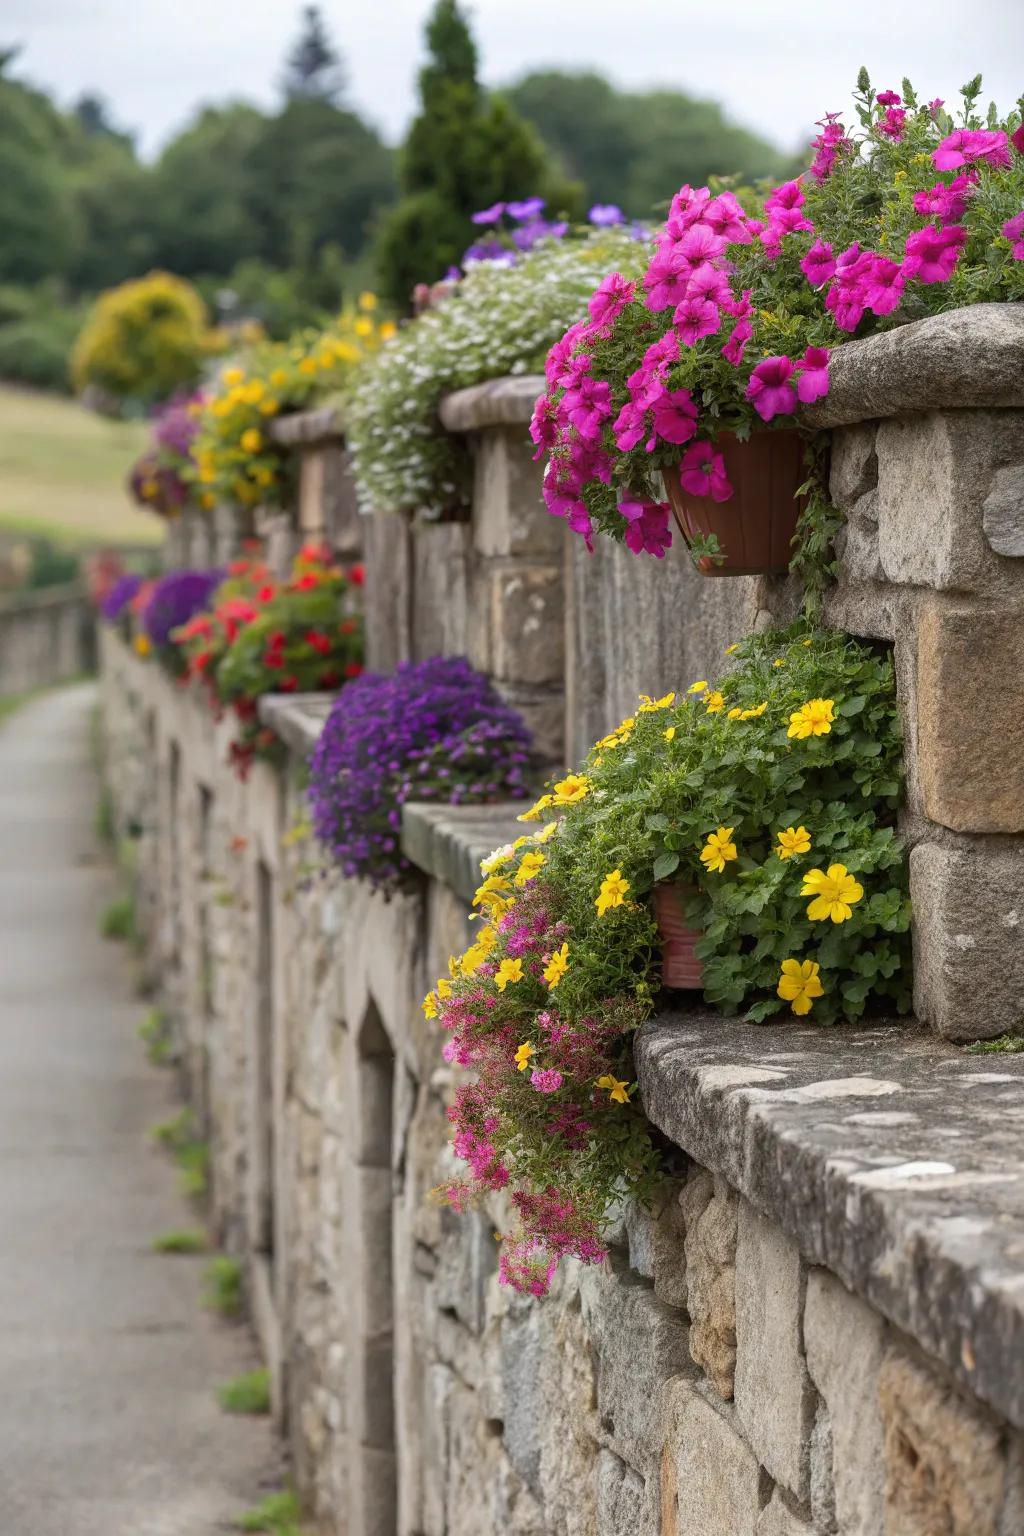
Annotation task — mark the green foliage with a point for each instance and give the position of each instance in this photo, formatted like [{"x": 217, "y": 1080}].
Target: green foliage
[
  {"x": 498, "y": 320},
  {"x": 50, "y": 565},
  {"x": 280, "y": 1514},
  {"x": 38, "y": 328},
  {"x": 179, "y": 1130},
  {"x": 223, "y": 1291},
  {"x": 105, "y": 824},
  {"x": 465, "y": 150},
  {"x": 248, "y": 1394},
  {"x": 155, "y": 1034},
  {"x": 635, "y": 148},
  {"x": 181, "y": 1240},
  {"x": 314, "y": 70},
  {"x": 193, "y": 1158},
  {"x": 1010, "y": 1045},
  {"x": 118, "y": 919},
  {"x": 143, "y": 340}
]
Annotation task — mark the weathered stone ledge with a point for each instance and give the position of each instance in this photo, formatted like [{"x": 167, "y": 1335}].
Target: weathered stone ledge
[
  {"x": 894, "y": 1160},
  {"x": 966, "y": 359},
  {"x": 300, "y": 428},
  {"x": 297, "y": 718},
  {"x": 69, "y": 593},
  {"x": 448, "y": 841},
  {"x": 507, "y": 402}
]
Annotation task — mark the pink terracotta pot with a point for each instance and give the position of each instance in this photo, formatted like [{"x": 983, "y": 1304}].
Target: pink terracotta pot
[
  {"x": 755, "y": 527},
  {"x": 680, "y": 968}
]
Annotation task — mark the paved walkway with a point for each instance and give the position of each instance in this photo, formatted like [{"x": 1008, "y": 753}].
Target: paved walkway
[{"x": 108, "y": 1420}]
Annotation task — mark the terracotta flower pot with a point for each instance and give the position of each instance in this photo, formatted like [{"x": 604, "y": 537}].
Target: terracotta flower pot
[
  {"x": 755, "y": 526},
  {"x": 680, "y": 967}
]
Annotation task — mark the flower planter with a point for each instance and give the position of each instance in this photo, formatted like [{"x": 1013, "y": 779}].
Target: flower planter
[
  {"x": 755, "y": 527},
  {"x": 680, "y": 968}
]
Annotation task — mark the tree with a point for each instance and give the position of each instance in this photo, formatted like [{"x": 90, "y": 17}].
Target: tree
[
  {"x": 314, "y": 70},
  {"x": 201, "y": 194},
  {"x": 465, "y": 150},
  {"x": 38, "y": 225}
]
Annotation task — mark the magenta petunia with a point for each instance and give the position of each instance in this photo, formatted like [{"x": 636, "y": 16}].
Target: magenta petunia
[
  {"x": 893, "y": 123},
  {"x": 675, "y": 417},
  {"x": 588, "y": 405},
  {"x": 888, "y": 99},
  {"x": 548, "y": 1081},
  {"x": 702, "y": 472},
  {"x": 724, "y": 215},
  {"x": 881, "y": 287},
  {"x": 932, "y": 254},
  {"x": 968, "y": 144},
  {"x": 711, "y": 283},
  {"x": 789, "y": 195},
  {"x": 812, "y": 383},
  {"x": 666, "y": 280},
  {"x": 647, "y": 531},
  {"x": 1013, "y": 230},
  {"x": 698, "y": 245},
  {"x": 818, "y": 265},
  {"x": 735, "y": 347},
  {"x": 936, "y": 105},
  {"x": 544, "y": 425},
  {"x": 695, "y": 318},
  {"x": 630, "y": 426},
  {"x": 1017, "y": 139},
  {"x": 610, "y": 299},
  {"x": 559, "y": 355},
  {"x": 770, "y": 391},
  {"x": 946, "y": 202}
]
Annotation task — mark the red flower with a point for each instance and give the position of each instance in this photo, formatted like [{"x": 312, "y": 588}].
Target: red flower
[
  {"x": 201, "y": 661},
  {"x": 265, "y": 594},
  {"x": 276, "y": 639},
  {"x": 288, "y": 684},
  {"x": 357, "y": 575},
  {"x": 330, "y": 679},
  {"x": 318, "y": 641},
  {"x": 348, "y": 626},
  {"x": 353, "y": 668},
  {"x": 273, "y": 659},
  {"x": 307, "y": 582}
]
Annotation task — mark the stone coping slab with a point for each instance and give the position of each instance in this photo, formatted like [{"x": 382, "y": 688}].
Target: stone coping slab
[
  {"x": 506, "y": 402},
  {"x": 297, "y": 718},
  {"x": 888, "y": 1156},
  {"x": 325, "y": 424},
  {"x": 448, "y": 841}
]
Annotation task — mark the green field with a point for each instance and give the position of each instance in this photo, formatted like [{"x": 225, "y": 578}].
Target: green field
[{"x": 63, "y": 469}]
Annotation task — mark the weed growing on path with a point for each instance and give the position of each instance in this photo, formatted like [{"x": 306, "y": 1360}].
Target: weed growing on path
[
  {"x": 246, "y": 1394},
  {"x": 181, "y": 1240},
  {"x": 223, "y": 1291},
  {"x": 278, "y": 1514}
]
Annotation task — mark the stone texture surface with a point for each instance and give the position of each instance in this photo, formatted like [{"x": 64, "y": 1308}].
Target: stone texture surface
[
  {"x": 710, "y": 1480},
  {"x": 509, "y": 515},
  {"x": 968, "y": 939},
  {"x": 777, "y": 1519},
  {"x": 945, "y": 1472},
  {"x": 1003, "y": 511},
  {"x": 45, "y": 637},
  {"x": 504, "y": 402},
  {"x": 449, "y": 841},
  {"x": 887, "y": 1156},
  {"x": 971, "y": 717},
  {"x": 710, "y": 1212},
  {"x": 844, "y": 1341},
  {"x": 325, "y": 424},
  {"x": 772, "y": 1389},
  {"x": 965, "y": 358}
]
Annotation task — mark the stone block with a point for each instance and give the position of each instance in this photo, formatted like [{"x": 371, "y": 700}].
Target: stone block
[
  {"x": 1011, "y": 1521},
  {"x": 934, "y": 474},
  {"x": 388, "y": 602},
  {"x": 1003, "y": 512},
  {"x": 968, "y": 939},
  {"x": 945, "y": 1472},
  {"x": 668, "y": 1251},
  {"x": 772, "y": 1389},
  {"x": 525, "y": 622},
  {"x": 710, "y": 1478},
  {"x": 710, "y": 1210},
  {"x": 854, "y": 468},
  {"x": 509, "y": 515},
  {"x": 843, "y": 1339},
  {"x": 623, "y": 1502},
  {"x": 777, "y": 1519},
  {"x": 543, "y": 709},
  {"x": 443, "y": 618},
  {"x": 971, "y": 718},
  {"x": 466, "y": 1262},
  {"x": 521, "y": 1392},
  {"x": 569, "y": 1413}
]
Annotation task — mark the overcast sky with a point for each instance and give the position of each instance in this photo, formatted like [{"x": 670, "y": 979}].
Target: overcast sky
[{"x": 776, "y": 64}]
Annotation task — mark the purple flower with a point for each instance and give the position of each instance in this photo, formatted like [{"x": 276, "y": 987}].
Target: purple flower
[
  {"x": 769, "y": 391},
  {"x": 490, "y": 215},
  {"x": 932, "y": 254},
  {"x": 176, "y": 598},
  {"x": 120, "y": 595},
  {"x": 529, "y": 208},
  {"x": 605, "y": 214}
]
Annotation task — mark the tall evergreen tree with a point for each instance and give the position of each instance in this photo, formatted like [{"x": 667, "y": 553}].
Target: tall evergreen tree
[
  {"x": 314, "y": 71},
  {"x": 465, "y": 150}
]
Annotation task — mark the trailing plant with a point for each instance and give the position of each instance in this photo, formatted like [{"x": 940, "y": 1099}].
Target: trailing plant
[
  {"x": 729, "y": 325},
  {"x": 494, "y": 321},
  {"x": 435, "y": 731},
  {"x": 173, "y": 600},
  {"x": 163, "y": 477},
  {"x": 772, "y": 797}
]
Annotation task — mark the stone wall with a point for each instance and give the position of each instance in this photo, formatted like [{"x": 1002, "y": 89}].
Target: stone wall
[
  {"x": 819, "y": 1332},
  {"x": 45, "y": 637}
]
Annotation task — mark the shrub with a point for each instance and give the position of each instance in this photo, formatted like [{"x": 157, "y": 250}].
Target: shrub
[
  {"x": 773, "y": 798},
  {"x": 36, "y": 348},
  {"x": 497, "y": 320},
  {"x": 118, "y": 920},
  {"x": 143, "y": 341},
  {"x": 435, "y": 731}
]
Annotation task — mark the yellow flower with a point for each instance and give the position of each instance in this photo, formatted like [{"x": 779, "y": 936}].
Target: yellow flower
[
  {"x": 834, "y": 893},
  {"x": 530, "y": 866},
  {"x": 388, "y": 330},
  {"x": 533, "y": 814},
  {"x": 780, "y": 661},
  {"x": 752, "y": 714},
  {"x": 308, "y": 365},
  {"x": 523, "y": 1054},
  {"x": 807, "y": 640},
  {"x": 718, "y": 851},
  {"x": 207, "y": 500},
  {"x": 546, "y": 832},
  {"x": 571, "y": 789},
  {"x": 799, "y": 984},
  {"x": 508, "y": 970},
  {"x": 492, "y": 892},
  {"x": 669, "y": 735},
  {"x": 496, "y": 859},
  {"x": 698, "y": 687},
  {"x": 473, "y": 959},
  {"x": 792, "y": 841},
  {"x": 557, "y": 966},
  {"x": 444, "y": 986},
  {"x": 367, "y": 300},
  {"x": 735, "y": 714},
  {"x": 251, "y": 440},
  {"x": 617, "y": 1089},
  {"x": 649, "y": 705},
  {"x": 279, "y": 378},
  {"x": 143, "y": 645},
  {"x": 233, "y": 376},
  {"x": 430, "y": 1005},
  {"x": 731, "y": 648},
  {"x": 613, "y": 892},
  {"x": 269, "y": 406},
  {"x": 714, "y": 703},
  {"x": 363, "y": 326},
  {"x": 812, "y": 719}
]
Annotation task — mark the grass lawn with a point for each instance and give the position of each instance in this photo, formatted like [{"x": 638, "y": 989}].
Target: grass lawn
[{"x": 62, "y": 472}]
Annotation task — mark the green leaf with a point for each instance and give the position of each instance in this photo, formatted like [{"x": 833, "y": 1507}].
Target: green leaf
[{"x": 666, "y": 864}]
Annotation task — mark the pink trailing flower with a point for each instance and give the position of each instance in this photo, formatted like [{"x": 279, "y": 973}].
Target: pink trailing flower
[
  {"x": 818, "y": 265},
  {"x": 702, "y": 472},
  {"x": 947, "y": 203},
  {"x": 666, "y": 280},
  {"x": 882, "y": 286},
  {"x": 932, "y": 254},
  {"x": 787, "y": 221},
  {"x": 648, "y": 531},
  {"x": 588, "y": 405},
  {"x": 969, "y": 144},
  {"x": 936, "y": 105},
  {"x": 893, "y": 123},
  {"x": 888, "y": 99},
  {"x": 724, "y": 215},
  {"x": 1017, "y": 139},
  {"x": 788, "y": 196},
  {"x": 544, "y": 425},
  {"x": 630, "y": 425},
  {"x": 695, "y": 318},
  {"x": 740, "y": 308},
  {"x": 560, "y": 354},
  {"x": 769, "y": 391},
  {"x": 737, "y": 344},
  {"x": 710, "y": 283},
  {"x": 675, "y": 417},
  {"x": 686, "y": 208},
  {"x": 812, "y": 383},
  {"x": 546, "y": 1081},
  {"x": 698, "y": 245},
  {"x": 609, "y": 300},
  {"x": 1013, "y": 230},
  {"x": 830, "y": 143}
]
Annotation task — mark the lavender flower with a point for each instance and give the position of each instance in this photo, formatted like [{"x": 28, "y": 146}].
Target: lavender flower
[
  {"x": 435, "y": 731},
  {"x": 120, "y": 595}
]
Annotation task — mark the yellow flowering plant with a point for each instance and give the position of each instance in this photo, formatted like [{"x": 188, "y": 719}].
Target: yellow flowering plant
[{"x": 236, "y": 458}]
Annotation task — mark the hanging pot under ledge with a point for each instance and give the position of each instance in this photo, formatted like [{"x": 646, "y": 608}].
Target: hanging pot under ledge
[
  {"x": 680, "y": 967},
  {"x": 755, "y": 527}
]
